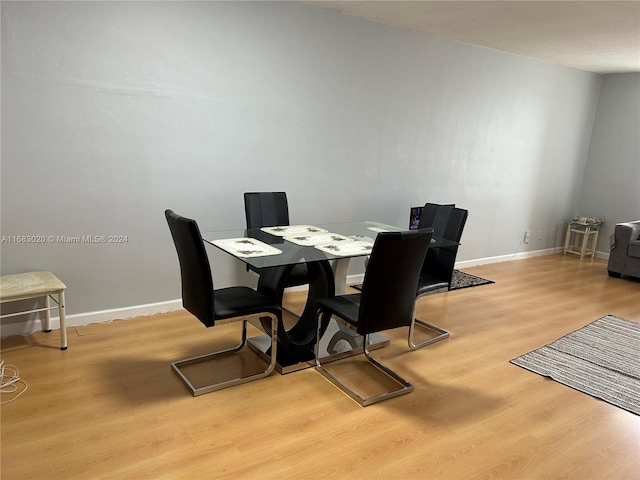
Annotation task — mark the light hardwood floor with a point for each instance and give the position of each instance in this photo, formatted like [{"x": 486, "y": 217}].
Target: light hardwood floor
[{"x": 110, "y": 408}]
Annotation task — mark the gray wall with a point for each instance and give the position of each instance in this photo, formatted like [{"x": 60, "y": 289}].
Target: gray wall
[
  {"x": 114, "y": 111},
  {"x": 611, "y": 187}
]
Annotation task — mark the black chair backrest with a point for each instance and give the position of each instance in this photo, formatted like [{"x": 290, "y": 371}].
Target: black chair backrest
[
  {"x": 440, "y": 262},
  {"x": 391, "y": 280},
  {"x": 455, "y": 224},
  {"x": 195, "y": 271},
  {"x": 435, "y": 216},
  {"x": 266, "y": 209}
]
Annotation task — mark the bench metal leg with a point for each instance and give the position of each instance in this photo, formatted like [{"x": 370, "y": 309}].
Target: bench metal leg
[
  {"x": 47, "y": 314},
  {"x": 47, "y": 317},
  {"x": 63, "y": 323}
]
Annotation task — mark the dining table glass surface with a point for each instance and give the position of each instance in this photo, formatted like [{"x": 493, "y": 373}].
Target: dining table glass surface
[{"x": 286, "y": 245}]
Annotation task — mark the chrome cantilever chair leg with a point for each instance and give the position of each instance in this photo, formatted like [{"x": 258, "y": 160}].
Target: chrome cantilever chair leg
[
  {"x": 440, "y": 334},
  {"x": 177, "y": 366},
  {"x": 405, "y": 386}
]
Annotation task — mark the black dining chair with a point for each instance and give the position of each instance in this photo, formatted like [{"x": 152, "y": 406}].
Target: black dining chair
[
  {"x": 436, "y": 274},
  {"x": 387, "y": 301},
  {"x": 271, "y": 209},
  {"x": 216, "y": 307}
]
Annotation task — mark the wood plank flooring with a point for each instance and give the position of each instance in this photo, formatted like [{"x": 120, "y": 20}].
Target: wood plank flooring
[{"x": 109, "y": 407}]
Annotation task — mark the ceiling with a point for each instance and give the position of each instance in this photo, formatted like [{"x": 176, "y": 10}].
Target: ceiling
[{"x": 596, "y": 36}]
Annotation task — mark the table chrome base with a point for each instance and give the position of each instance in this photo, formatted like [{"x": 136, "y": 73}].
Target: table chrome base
[{"x": 336, "y": 343}]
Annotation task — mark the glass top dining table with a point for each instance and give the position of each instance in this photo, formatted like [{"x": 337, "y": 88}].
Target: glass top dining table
[
  {"x": 326, "y": 249},
  {"x": 290, "y": 245}
]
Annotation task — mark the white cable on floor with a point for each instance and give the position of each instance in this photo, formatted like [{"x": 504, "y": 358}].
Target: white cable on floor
[{"x": 10, "y": 382}]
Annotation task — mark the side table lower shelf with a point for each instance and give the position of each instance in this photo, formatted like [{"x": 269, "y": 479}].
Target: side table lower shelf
[{"x": 581, "y": 240}]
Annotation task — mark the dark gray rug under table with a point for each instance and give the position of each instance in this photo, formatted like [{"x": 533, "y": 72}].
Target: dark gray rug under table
[
  {"x": 465, "y": 280},
  {"x": 458, "y": 281},
  {"x": 601, "y": 359}
]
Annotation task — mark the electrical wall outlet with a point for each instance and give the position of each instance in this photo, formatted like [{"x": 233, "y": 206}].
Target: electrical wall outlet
[{"x": 527, "y": 236}]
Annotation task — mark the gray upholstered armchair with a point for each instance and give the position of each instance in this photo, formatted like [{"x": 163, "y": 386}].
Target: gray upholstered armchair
[{"x": 624, "y": 258}]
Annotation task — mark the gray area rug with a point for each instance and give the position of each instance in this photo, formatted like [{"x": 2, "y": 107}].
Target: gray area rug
[
  {"x": 601, "y": 359},
  {"x": 464, "y": 280},
  {"x": 459, "y": 280}
]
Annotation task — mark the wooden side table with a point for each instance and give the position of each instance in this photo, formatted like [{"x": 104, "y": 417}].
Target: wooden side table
[{"x": 577, "y": 239}]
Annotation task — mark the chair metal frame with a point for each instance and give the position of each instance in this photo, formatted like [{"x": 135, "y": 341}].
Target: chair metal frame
[
  {"x": 199, "y": 299},
  {"x": 405, "y": 385},
  {"x": 378, "y": 313},
  {"x": 441, "y": 334},
  {"x": 255, "y": 319}
]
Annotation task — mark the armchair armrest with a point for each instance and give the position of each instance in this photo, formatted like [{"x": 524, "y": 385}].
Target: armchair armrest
[
  {"x": 624, "y": 233},
  {"x": 624, "y": 258}
]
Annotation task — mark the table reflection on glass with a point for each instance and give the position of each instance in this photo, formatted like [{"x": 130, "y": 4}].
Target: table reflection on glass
[{"x": 326, "y": 250}]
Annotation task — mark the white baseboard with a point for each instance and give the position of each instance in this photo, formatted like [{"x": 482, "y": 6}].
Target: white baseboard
[
  {"x": 80, "y": 319},
  {"x": 518, "y": 256},
  {"x": 32, "y": 325},
  {"x": 508, "y": 258}
]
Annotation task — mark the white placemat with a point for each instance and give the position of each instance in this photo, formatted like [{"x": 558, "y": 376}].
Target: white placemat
[
  {"x": 293, "y": 230},
  {"x": 317, "y": 238},
  {"x": 246, "y": 247},
  {"x": 377, "y": 229},
  {"x": 346, "y": 248}
]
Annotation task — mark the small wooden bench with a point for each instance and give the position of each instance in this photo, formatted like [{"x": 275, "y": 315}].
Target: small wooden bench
[{"x": 23, "y": 286}]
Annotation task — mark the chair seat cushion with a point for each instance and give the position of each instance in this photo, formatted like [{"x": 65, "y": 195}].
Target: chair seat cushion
[
  {"x": 428, "y": 283},
  {"x": 238, "y": 301},
  {"x": 634, "y": 248},
  {"x": 345, "y": 306}
]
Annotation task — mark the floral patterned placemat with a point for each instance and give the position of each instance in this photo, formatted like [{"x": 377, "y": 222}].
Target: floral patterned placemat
[
  {"x": 293, "y": 230},
  {"x": 246, "y": 247},
  {"x": 354, "y": 248},
  {"x": 313, "y": 239}
]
